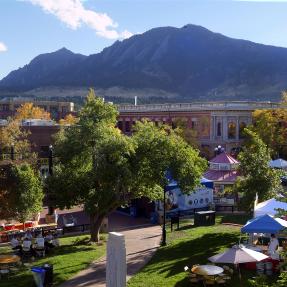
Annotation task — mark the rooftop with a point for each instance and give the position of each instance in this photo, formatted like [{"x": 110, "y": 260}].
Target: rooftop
[{"x": 200, "y": 106}]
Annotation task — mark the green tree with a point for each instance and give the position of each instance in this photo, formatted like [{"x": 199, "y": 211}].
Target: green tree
[
  {"x": 102, "y": 168},
  {"x": 21, "y": 192},
  {"x": 271, "y": 126},
  {"x": 258, "y": 177}
]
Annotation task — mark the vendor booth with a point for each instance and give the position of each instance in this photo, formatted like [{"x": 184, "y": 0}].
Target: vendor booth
[
  {"x": 269, "y": 206},
  {"x": 264, "y": 224}
]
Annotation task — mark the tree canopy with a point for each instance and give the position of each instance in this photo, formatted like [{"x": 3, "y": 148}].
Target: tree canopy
[
  {"x": 102, "y": 168},
  {"x": 258, "y": 177},
  {"x": 21, "y": 192},
  {"x": 29, "y": 111},
  {"x": 271, "y": 126}
]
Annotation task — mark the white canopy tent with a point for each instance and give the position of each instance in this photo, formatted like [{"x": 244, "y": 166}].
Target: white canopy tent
[
  {"x": 269, "y": 207},
  {"x": 278, "y": 163}
]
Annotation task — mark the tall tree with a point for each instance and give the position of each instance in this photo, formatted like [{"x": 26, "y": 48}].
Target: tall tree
[
  {"x": 102, "y": 168},
  {"x": 29, "y": 111},
  {"x": 271, "y": 126},
  {"x": 21, "y": 192},
  {"x": 258, "y": 177}
]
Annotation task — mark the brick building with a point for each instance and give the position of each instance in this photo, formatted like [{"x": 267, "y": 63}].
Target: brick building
[
  {"x": 216, "y": 123},
  {"x": 58, "y": 110}
]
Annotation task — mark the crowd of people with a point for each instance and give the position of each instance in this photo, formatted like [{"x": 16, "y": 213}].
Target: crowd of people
[{"x": 35, "y": 244}]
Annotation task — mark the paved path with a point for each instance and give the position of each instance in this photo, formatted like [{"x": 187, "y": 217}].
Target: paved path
[{"x": 141, "y": 243}]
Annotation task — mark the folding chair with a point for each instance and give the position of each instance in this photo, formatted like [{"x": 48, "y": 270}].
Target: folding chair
[{"x": 40, "y": 247}]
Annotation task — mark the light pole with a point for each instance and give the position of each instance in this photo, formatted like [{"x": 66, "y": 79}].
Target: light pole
[
  {"x": 163, "y": 243},
  {"x": 50, "y": 160},
  {"x": 218, "y": 150},
  {"x": 12, "y": 152},
  {"x": 50, "y": 164}
]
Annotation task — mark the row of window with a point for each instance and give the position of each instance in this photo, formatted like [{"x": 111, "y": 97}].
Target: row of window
[{"x": 231, "y": 130}]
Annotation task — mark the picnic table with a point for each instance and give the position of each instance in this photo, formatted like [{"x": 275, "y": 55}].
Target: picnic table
[{"x": 9, "y": 259}]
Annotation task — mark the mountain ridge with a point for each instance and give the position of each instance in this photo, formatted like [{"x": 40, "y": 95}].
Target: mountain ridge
[{"x": 191, "y": 61}]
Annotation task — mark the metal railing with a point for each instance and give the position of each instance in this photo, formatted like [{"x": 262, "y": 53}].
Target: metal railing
[{"x": 208, "y": 106}]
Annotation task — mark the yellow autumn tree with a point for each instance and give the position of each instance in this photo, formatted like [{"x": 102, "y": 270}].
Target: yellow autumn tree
[
  {"x": 271, "y": 126},
  {"x": 29, "y": 111},
  {"x": 68, "y": 120}
]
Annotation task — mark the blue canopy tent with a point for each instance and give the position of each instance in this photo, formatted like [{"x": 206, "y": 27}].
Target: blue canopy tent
[{"x": 264, "y": 224}]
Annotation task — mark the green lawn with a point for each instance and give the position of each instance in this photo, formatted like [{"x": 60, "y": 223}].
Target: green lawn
[
  {"x": 186, "y": 247},
  {"x": 73, "y": 255}
]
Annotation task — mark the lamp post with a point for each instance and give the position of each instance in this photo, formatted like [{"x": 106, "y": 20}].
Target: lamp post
[
  {"x": 50, "y": 158},
  {"x": 12, "y": 152},
  {"x": 50, "y": 164},
  {"x": 218, "y": 150},
  {"x": 163, "y": 243}
]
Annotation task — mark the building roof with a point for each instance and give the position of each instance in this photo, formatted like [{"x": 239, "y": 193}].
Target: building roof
[
  {"x": 221, "y": 175},
  {"x": 224, "y": 158}
]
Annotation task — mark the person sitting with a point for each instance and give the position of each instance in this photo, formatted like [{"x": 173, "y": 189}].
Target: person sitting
[
  {"x": 27, "y": 247},
  {"x": 272, "y": 247},
  {"x": 15, "y": 244},
  {"x": 49, "y": 240},
  {"x": 40, "y": 246},
  {"x": 28, "y": 235}
]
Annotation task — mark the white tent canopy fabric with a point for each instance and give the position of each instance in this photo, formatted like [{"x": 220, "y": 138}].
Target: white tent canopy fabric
[
  {"x": 269, "y": 207},
  {"x": 278, "y": 163},
  {"x": 238, "y": 254}
]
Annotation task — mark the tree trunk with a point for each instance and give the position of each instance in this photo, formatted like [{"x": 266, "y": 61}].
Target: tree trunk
[{"x": 96, "y": 223}]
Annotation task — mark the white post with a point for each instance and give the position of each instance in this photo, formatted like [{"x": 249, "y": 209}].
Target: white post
[
  {"x": 136, "y": 100},
  {"x": 116, "y": 270}
]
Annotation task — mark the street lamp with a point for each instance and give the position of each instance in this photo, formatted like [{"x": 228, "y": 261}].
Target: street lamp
[
  {"x": 50, "y": 163},
  {"x": 50, "y": 160},
  {"x": 218, "y": 150},
  {"x": 12, "y": 152},
  {"x": 163, "y": 242}
]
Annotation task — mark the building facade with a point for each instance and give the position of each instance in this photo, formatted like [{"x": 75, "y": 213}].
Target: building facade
[
  {"x": 58, "y": 110},
  {"x": 215, "y": 123}
]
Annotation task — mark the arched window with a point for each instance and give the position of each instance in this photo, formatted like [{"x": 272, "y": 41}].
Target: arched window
[
  {"x": 242, "y": 126},
  {"x": 219, "y": 128},
  {"x": 231, "y": 130}
]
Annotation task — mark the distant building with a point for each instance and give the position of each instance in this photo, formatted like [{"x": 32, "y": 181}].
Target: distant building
[
  {"x": 58, "y": 110},
  {"x": 216, "y": 123}
]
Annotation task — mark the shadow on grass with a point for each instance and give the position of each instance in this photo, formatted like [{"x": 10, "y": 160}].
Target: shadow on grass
[{"x": 172, "y": 259}]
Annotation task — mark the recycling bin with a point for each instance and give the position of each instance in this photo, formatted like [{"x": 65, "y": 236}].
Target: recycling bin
[
  {"x": 39, "y": 276},
  {"x": 48, "y": 280}
]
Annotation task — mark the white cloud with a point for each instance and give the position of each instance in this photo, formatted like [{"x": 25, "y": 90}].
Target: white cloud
[
  {"x": 74, "y": 15},
  {"x": 3, "y": 47}
]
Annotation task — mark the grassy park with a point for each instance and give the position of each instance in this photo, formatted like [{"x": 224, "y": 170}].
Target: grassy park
[
  {"x": 73, "y": 254},
  {"x": 188, "y": 246}
]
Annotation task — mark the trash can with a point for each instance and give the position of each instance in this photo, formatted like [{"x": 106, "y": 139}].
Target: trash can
[
  {"x": 48, "y": 281},
  {"x": 133, "y": 211},
  {"x": 39, "y": 276},
  {"x": 154, "y": 218}
]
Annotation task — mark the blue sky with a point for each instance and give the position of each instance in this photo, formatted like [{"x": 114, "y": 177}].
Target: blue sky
[{"x": 32, "y": 27}]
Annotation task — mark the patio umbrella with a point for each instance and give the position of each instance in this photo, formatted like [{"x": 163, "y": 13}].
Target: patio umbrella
[
  {"x": 236, "y": 255},
  {"x": 278, "y": 163}
]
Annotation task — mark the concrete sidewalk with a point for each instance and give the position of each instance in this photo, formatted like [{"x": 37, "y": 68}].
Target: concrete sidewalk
[{"x": 141, "y": 243}]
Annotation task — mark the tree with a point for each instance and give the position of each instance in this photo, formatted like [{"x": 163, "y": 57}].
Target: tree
[
  {"x": 13, "y": 133},
  {"x": 189, "y": 134},
  {"x": 68, "y": 120},
  {"x": 271, "y": 126},
  {"x": 102, "y": 168},
  {"x": 29, "y": 111},
  {"x": 258, "y": 177},
  {"x": 21, "y": 192}
]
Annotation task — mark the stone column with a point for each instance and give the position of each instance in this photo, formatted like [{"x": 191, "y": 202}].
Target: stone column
[{"x": 116, "y": 269}]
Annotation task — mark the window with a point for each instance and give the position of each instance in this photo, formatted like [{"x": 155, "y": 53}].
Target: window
[
  {"x": 120, "y": 125},
  {"x": 231, "y": 130},
  {"x": 128, "y": 127},
  {"x": 218, "y": 132},
  {"x": 242, "y": 126}
]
